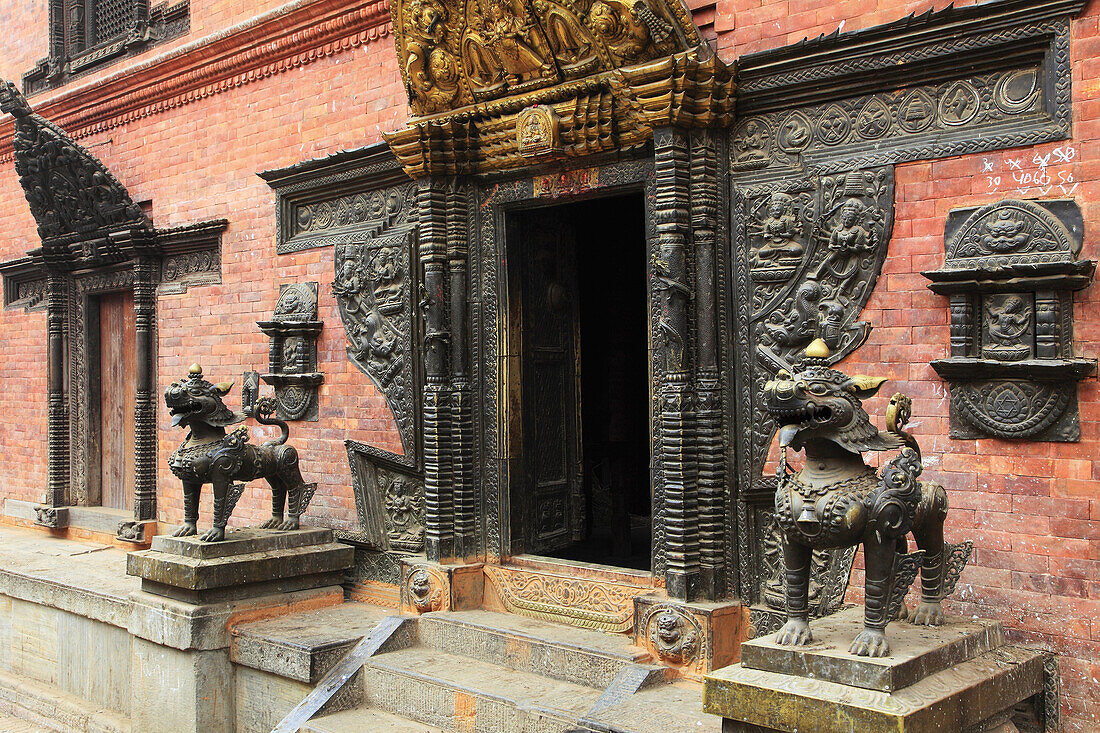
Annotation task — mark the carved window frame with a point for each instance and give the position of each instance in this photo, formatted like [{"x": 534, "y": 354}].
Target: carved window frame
[{"x": 74, "y": 50}]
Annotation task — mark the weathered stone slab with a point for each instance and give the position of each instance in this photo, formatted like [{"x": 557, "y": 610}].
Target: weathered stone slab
[
  {"x": 248, "y": 564},
  {"x": 303, "y": 646},
  {"x": 915, "y": 651},
  {"x": 241, "y": 542},
  {"x": 950, "y": 700}
]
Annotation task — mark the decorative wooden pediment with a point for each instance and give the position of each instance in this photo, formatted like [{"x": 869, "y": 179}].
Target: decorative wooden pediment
[
  {"x": 73, "y": 196},
  {"x": 458, "y": 53},
  {"x": 500, "y": 84}
]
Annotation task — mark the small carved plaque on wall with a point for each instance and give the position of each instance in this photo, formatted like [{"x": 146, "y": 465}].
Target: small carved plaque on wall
[{"x": 1010, "y": 273}]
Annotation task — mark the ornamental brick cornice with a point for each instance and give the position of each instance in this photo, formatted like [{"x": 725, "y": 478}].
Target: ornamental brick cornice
[{"x": 274, "y": 43}]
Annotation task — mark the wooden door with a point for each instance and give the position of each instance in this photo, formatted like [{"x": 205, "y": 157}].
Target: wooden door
[
  {"x": 552, "y": 495},
  {"x": 117, "y": 391}
]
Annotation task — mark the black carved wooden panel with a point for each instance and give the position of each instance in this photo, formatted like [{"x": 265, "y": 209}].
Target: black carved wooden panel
[
  {"x": 389, "y": 500},
  {"x": 375, "y": 286},
  {"x": 1010, "y": 273}
]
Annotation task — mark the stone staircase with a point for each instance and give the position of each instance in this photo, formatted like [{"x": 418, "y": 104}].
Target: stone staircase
[{"x": 473, "y": 671}]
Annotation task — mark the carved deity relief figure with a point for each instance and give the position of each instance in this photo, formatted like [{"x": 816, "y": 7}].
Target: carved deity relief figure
[
  {"x": 776, "y": 252},
  {"x": 1008, "y": 319},
  {"x": 570, "y": 42},
  {"x": 1004, "y": 232},
  {"x": 430, "y": 68},
  {"x": 503, "y": 47},
  {"x": 849, "y": 241}
]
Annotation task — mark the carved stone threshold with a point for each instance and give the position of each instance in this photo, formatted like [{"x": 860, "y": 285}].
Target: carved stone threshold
[{"x": 279, "y": 41}]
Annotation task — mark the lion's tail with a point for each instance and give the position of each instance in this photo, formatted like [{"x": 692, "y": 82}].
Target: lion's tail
[{"x": 263, "y": 411}]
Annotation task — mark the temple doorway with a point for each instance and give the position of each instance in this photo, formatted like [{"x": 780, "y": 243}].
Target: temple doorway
[{"x": 580, "y": 482}]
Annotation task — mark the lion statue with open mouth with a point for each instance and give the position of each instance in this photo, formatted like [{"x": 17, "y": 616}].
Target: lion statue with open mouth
[
  {"x": 211, "y": 456},
  {"x": 836, "y": 500}
]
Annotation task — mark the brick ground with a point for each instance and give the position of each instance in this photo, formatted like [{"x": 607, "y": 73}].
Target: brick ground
[{"x": 1033, "y": 509}]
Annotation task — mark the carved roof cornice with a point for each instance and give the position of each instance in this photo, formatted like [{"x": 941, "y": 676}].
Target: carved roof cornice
[
  {"x": 614, "y": 111},
  {"x": 917, "y": 49},
  {"x": 276, "y": 42},
  {"x": 84, "y": 213}
]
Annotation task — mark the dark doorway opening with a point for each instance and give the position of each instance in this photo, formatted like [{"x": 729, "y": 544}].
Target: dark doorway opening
[{"x": 579, "y": 274}]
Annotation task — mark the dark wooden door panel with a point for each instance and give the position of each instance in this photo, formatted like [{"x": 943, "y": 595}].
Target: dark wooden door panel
[
  {"x": 553, "y": 489},
  {"x": 118, "y": 373}
]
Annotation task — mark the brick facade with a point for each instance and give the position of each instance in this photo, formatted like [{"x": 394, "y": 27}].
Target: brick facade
[{"x": 1032, "y": 509}]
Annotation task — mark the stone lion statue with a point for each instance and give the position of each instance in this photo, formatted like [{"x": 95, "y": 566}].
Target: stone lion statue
[
  {"x": 836, "y": 500},
  {"x": 211, "y": 456}
]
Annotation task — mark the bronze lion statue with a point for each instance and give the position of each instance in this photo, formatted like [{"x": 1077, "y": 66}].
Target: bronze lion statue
[
  {"x": 211, "y": 456},
  {"x": 836, "y": 500}
]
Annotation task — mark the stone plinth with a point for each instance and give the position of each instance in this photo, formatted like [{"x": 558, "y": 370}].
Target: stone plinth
[
  {"x": 954, "y": 677},
  {"x": 249, "y": 563}
]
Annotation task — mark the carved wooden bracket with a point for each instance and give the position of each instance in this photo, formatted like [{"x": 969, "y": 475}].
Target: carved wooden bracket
[{"x": 1010, "y": 273}]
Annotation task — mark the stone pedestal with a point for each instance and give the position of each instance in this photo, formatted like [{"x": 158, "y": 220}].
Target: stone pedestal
[
  {"x": 957, "y": 677},
  {"x": 249, "y": 563},
  {"x": 193, "y": 593}
]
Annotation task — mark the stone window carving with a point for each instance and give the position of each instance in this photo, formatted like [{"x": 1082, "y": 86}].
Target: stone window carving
[
  {"x": 1010, "y": 273},
  {"x": 86, "y": 34}
]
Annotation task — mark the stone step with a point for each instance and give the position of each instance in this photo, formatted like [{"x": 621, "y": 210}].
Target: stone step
[
  {"x": 452, "y": 692},
  {"x": 565, "y": 653},
  {"x": 304, "y": 646},
  {"x": 659, "y": 709},
  {"x": 365, "y": 720}
]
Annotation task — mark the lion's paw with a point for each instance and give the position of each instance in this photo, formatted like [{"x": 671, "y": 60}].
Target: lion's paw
[
  {"x": 214, "y": 534},
  {"x": 272, "y": 523},
  {"x": 290, "y": 524},
  {"x": 928, "y": 614},
  {"x": 870, "y": 643},
  {"x": 186, "y": 530},
  {"x": 796, "y": 632}
]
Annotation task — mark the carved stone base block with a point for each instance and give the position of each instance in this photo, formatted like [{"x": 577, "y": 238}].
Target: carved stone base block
[
  {"x": 139, "y": 533},
  {"x": 54, "y": 517},
  {"x": 249, "y": 563},
  {"x": 694, "y": 638},
  {"x": 427, "y": 586},
  {"x": 960, "y": 677}
]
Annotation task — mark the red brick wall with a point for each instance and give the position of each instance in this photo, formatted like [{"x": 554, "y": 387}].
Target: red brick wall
[
  {"x": 199, "y": 163},
  {"x": 1033, "y": 509}
]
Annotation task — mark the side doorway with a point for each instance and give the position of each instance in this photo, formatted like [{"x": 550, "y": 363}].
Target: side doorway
[{"x": 579, "y": 395}]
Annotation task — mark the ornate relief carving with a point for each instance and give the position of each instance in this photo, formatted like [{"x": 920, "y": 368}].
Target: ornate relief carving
[
  {"x": 374, "y": 290},
  {"x": 1010, "y": 231},
  {"x": 673, "y": 635},
  {"x": 426, "y": 589},
  {"x": 537, "y": 128},
  {"x": 389, "y": 499},
  {"x": 292, "y": 352},
  {"x": 1010, "y": 272},
  {"x": 814, "y": 258},
  {"x": 455, "y": 53},
  {"x": 910, "y": 124},
  {"x": 590, "y": 604},
  {"x": 70, "y": 192}
]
